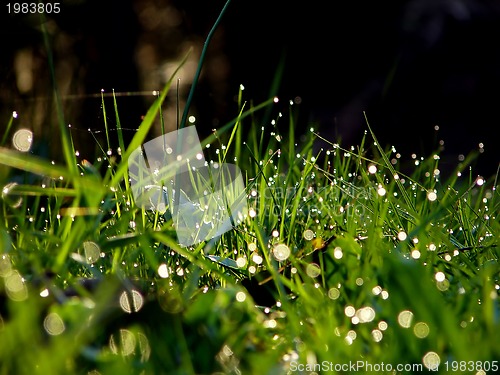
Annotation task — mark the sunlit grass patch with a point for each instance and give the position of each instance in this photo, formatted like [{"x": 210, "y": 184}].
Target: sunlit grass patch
[{"x": 340, "y": 255}]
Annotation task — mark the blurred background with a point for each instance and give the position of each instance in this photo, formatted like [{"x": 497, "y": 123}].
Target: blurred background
[{"x": 413, "y": 66}]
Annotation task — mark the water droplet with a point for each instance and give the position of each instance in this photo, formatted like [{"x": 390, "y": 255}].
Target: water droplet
[
  {"x": 381, "y": 191},
  {"x": 22, "y": 140},
  {"x": 163, "y": 271},
  {"x": 252, "y": 213},
  {"x": 5, "y": 266},
  {"x": 257, "y": 259},
  {"x": 365, "y": 314},
  {"x": 402, "y": 236},
  {"x": 421, "y": 330},
  {"x": 15, "y": 287},
  {"x": 349, "y": 311},
  {"x": 333, "y": 293},
  {"x": 92, "y": 252},
  {"x": 440, "y": 276},
  {"x": 338, "y": 253},
  {"x": 241, "y": 296},
  {"x": 8, "y": 195},
  {"x": 415, "y": 254},
  {"x": 131, "y": 303},
  {"x": 382, "y": 325},
  {"x": 241, "y": 262},
  {"x": 124, "y": 344},
  {"x": 53, "y": 324},
  {"x": 281, "y": 252},
  {"x": 431, "y": 360},
  {"x": 405, "y": 318},
  {"x": 313, "y": 270},
  {"x": 372, "y": 169},
  {"x": 377, "y": 335}
]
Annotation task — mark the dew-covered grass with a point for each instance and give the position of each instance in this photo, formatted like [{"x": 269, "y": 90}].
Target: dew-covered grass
[
  {"x": 340, "y": 259},
  {"x": 349, "y": 258}
]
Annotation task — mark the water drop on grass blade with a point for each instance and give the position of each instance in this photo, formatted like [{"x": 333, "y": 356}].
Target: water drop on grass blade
[{"x": 22, "y": 140}]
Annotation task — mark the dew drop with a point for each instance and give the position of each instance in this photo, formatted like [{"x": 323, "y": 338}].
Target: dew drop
[
  {"x": 313, "y": 270},
  {"x": 53, "y": 324},
  {"x": 421, "y": 330},
  {"x": 381, "y": 191},
  {"x": 349, "y": 311},
  {"x": 338, "y": 253},
  {"x": 431, "y": 360},
  {"x": 15, "y": 287},
  {"x": 405, "y": 318},
  {"x": 257, "y": 259},
  {"x": 163, "y": 271},
  {"x": 92, "y": 251},
  {"x": 382, "y": 325},
  {"x": 377, "y": 335},
  {"x": 431, "y": 196},
  {"x": 13, "y": 201},
  {"x": 333, "y": 293},
  {"x": 5, "y": 266},
  {"x": 372, "y": 169},
  {"x": 131, "y": 303},
  {"x": 22, "y": 140},
  {"x": 365, "y": 314},
  {"x": 241, "y": 296},
  {"x": 439, "y": 276},
  {"x": 281, "y": 252},
  {"x": 308, "y": 234},
  {"x": 124, "y": 344},
  {"x": 241, "y": 262}
]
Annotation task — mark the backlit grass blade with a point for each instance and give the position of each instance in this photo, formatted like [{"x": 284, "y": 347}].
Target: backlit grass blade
[
  {"x": 34, "y": 164},
  {"x": 7, "y": 130}
]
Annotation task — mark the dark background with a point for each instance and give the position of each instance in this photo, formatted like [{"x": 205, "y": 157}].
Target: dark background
[{"x": 410, "y": 65}]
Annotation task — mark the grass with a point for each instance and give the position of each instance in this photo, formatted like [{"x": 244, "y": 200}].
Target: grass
[
  {"x": 343, "y": 262},
  {"x": 341, "y": 259}
]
